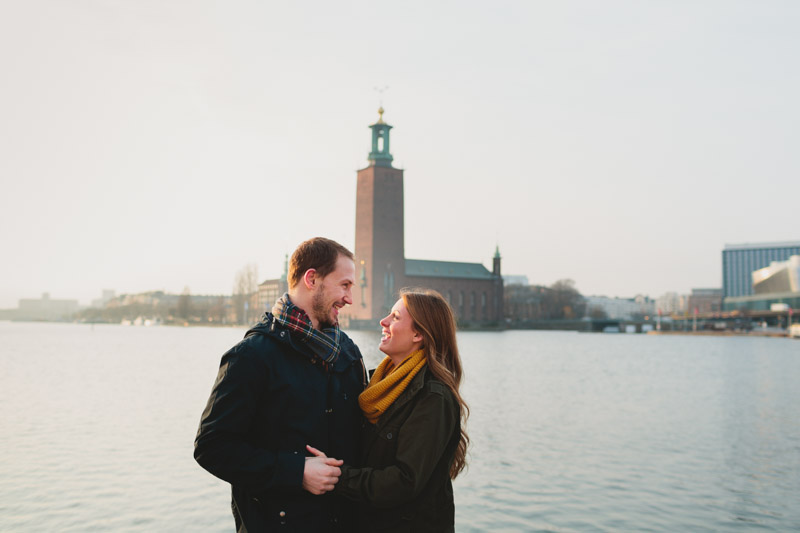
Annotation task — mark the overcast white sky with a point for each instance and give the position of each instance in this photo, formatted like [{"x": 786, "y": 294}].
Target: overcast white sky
[{"x": 162, "y": 144}]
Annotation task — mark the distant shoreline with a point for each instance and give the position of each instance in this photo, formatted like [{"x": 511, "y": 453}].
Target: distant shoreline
[{"x": 711, "y": 333}]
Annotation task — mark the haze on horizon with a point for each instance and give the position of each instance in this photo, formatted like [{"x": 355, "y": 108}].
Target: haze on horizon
[{"x": 161, "y": 145}]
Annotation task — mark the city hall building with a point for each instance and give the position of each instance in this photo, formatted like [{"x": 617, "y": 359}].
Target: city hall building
[{"x": 474, "y": 292}]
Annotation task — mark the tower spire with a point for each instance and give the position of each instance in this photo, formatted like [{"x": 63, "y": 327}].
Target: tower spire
[{"x": 380, "y": 155}]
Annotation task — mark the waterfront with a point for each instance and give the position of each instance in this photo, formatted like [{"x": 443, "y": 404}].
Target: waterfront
[{"x": 570, "y": 432}]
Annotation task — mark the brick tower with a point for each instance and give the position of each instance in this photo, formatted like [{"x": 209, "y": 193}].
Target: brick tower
[{"x": 379, "y": 252}]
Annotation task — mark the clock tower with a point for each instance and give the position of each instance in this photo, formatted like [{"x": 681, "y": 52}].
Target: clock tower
[{"x": 379, "y": 250}]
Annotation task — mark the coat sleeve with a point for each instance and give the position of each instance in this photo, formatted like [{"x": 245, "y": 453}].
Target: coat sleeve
[
  {"x": 222, "y": 446},
  {"x": 422, "y": 441}
]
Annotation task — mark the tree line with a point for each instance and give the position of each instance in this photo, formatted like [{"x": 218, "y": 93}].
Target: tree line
[
  {"x": 559, "y": 301},
  {"x": 240, "y": 307}
]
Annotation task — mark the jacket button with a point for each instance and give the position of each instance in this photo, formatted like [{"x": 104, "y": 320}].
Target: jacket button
[
  {"x": 389, "y": 436},
  {"x": 282, "y": 514},
  {"x": 283, "y": 333}
]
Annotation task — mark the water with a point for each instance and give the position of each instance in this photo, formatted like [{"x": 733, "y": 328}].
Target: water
[{"x": 570, "y": 432}]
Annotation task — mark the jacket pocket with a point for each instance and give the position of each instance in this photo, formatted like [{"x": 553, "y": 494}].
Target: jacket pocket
[
  {"x": 389, "y": 434},
  {"x": 382, "y": 451}
]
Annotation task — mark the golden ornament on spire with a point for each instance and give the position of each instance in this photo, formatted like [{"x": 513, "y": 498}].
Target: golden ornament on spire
[{"x": 380, "y": 115}]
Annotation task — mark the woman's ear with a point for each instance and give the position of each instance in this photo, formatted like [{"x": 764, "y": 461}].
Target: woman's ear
[{"x": 417, "y": 337}]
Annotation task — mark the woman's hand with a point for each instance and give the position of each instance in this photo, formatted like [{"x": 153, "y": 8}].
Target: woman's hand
[{"x": 320, "y": 472}]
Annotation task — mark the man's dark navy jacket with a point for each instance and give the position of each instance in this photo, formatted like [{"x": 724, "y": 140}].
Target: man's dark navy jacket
[{"x": 272, "y": 396}]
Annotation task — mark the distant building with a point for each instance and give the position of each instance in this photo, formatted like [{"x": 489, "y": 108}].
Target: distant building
[
  {"x": 185, "y": 307},
  {"x": 671, "y": 303},
  {"x": 778, "y": 277},
  {"x": 705, "y": 300},
  {"x": 107, "y": 296},
  {"x": 270, "y": 290},
  {"x": 474, "y": 292},
  {"x": 778, "y": 283},
  {"x": 514, "y": 279},
  {"x": 147, "y": 299},
  {"x": 739, "y": 261},
  {"x": 622, "y": 308},
  {"x": 46, "y": 308}
]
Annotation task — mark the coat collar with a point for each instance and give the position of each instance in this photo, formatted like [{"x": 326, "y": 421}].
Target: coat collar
[
  {"x": 269, "y": 327},
  {"x": 413, "y": 388}
]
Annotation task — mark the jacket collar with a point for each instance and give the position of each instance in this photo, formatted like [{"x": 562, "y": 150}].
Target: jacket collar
[
  {"x": 413, "y": 388},
  {"x": 269, "y": 327}
]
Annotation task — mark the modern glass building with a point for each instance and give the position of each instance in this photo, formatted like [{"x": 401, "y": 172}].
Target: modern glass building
[
  {"x": 740, "y": 260},
  {"x": 780, "y": 276},
  {"x": 762, "y": 302}
]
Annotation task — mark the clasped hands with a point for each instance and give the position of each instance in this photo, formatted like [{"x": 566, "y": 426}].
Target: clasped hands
[{"x": 320, "y": 472}]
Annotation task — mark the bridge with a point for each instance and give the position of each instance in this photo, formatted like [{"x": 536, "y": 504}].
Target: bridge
[
  {"x": 731, "y": 320},
  {"x": 717, "y": 320}
]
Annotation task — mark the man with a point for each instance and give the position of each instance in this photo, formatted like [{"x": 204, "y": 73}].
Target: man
[{"x": 293, "y": 381}]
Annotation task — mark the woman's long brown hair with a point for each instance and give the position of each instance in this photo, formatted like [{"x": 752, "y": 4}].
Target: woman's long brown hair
[{"x": 434, "y": 320}]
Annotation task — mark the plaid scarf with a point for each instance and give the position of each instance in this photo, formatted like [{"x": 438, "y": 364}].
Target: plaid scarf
[{"x": 324, "y": 343}]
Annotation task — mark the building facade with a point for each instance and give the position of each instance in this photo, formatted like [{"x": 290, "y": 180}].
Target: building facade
[
  {"x": 739, "y": 261},
  {"x": 108, "y": 295},
  {"x": 705, "y": 300},
  {"x": 671, "y": 303},
  {"x": 270, "y": 290},
  {"x": 778, "y": 277},
  {"x": 779, "y": 283},
  {"x": 46, "y": 308},
  {"x": 622, "y": 308},
  {"x": 474, "y": 292}
]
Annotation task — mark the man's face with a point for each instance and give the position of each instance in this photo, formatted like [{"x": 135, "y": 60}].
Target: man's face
[{"x": 333, "y": 292}]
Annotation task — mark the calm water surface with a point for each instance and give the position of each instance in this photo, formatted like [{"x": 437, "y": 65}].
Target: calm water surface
[{"x": 570, "y": 432}]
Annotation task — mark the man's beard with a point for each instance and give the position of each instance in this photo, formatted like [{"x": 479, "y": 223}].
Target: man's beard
[{"x": 321, "y": 311}]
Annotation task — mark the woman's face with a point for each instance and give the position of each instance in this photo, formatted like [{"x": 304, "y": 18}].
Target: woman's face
[{"x": 400, "y": 338}]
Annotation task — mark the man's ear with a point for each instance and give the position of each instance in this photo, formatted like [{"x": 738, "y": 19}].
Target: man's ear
[{"x": 310, "y": 278}]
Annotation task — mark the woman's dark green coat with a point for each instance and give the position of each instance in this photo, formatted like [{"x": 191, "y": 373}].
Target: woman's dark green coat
[{"x": 404, "y": 481}]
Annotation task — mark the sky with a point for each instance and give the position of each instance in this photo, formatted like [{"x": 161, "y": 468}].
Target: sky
[{"x": 164, "y": 145}]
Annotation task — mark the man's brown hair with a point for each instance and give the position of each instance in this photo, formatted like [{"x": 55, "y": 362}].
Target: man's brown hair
[{"x": 318, "y": 253}]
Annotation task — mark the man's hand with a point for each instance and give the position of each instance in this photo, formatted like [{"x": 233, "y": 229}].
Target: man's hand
[{"x": 321, "y": 472}]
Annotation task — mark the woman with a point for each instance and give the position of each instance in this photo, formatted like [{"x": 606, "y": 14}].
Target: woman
[{"x": 414, "y": 442}]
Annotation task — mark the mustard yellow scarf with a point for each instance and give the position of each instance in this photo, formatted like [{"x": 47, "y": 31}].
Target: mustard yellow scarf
[{"x": 387, "y": 383}]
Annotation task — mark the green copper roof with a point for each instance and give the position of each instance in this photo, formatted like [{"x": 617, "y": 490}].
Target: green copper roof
[
  {"x": 446, "y": 269},
  {"x": 380, "y": 155}
]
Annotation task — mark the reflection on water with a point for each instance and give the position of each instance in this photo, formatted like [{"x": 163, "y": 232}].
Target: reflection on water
[{"x": 570, "y": 432}]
